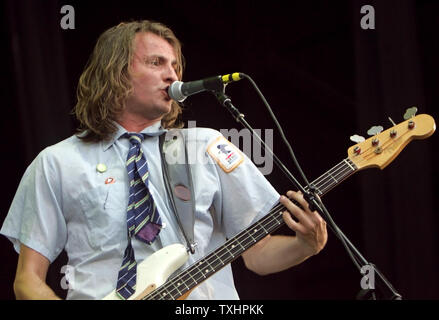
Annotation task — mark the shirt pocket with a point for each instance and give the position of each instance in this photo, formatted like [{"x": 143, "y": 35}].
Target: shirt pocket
[{"x": 104, "y": 209}]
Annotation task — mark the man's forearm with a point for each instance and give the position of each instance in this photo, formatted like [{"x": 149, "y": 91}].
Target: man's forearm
[
  {"x": 275, "y": 254},
  {"x": 28, "y": 287}
]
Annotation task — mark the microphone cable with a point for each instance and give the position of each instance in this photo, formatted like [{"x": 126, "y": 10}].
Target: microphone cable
[{"x": 345, "y": 242}]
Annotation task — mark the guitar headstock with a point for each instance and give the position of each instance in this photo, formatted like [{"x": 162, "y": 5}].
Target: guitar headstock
[{"x": 379, "y": 150}]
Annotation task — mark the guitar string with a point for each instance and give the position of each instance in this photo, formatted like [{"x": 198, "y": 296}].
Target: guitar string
[
  {"x": 220, "y": 255},
  {"x": 196, "y": 272},
  {"x": 338, "y": 176},
  {"x": 221, "y": 252},
  {"x": 200, "y": 275},
  {"x": 333, "y": 169},
  {"x": 343, "y": 165}
]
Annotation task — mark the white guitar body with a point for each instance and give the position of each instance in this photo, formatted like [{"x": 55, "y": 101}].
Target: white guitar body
[{"x": 155, "y": 270}]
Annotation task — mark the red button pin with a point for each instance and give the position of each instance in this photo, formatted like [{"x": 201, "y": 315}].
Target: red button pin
[{"x": 110, "y": 180}]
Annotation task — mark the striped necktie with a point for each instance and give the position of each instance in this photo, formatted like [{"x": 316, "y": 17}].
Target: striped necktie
[{"x": 143, "y": 219}]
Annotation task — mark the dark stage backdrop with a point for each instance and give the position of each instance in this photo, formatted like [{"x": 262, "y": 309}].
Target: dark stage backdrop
[{"x": 326, "y": 79}]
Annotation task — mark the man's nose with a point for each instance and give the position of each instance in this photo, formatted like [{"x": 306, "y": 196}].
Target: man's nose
[{"x": 170, "y": 74}]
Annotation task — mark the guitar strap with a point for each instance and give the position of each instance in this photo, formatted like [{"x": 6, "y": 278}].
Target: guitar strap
[{"x": 178, "y": 182}]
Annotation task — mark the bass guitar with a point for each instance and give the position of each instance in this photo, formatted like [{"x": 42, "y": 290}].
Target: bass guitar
[{"x": 375, "y": 152}]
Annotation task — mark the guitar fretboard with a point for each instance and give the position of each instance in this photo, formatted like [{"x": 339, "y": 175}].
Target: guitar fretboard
[{"x": 236, "y": 246}]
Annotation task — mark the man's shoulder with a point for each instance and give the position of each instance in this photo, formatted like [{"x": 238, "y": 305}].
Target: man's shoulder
[
  {"x": 64, "y": 145},
  {"x": 200, "y": 134},
  {"x": 66, "y": 149}
]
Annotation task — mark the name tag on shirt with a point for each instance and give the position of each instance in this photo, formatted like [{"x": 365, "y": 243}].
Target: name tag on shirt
[{"x": 227, "y": 155}]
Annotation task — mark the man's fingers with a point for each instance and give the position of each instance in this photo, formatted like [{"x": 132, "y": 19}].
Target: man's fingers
[
  {"x": 293, "y": 225},
  {"x": 292, "y": 208},
  {"x": 298, "y": 196},
  {"x": 306, "y": 217}
]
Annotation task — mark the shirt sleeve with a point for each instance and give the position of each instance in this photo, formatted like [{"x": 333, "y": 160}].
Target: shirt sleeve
[
  {"x": 246, "y": 195},
  {"x": 35, "y": 217}
]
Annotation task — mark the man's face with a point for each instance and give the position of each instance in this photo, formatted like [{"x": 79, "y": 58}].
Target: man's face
[{"x": 152, "y": 71}]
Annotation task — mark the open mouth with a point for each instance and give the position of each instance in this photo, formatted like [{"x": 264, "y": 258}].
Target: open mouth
[{"x": 167, "y": 97}]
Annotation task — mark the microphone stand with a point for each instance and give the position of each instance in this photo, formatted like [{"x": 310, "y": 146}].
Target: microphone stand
[{"x": 311, "y": 198}]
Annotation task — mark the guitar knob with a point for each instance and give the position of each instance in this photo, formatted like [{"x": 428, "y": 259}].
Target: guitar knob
[
  {"x": 411, "y": 124},
  {"x": 356, "y": 138},
  {"x": 410, "y": 112},
  {"x": 374, "y": 130},
  {"x": 393, "y": 133},
  {"x": 357, "y": 150}
]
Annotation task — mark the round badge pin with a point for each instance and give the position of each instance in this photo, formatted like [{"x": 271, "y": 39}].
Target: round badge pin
[{"x": 101, "y": 167}]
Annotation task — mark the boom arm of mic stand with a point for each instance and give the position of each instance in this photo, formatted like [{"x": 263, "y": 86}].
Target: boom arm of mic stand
[{"x": 310, "y": 197}]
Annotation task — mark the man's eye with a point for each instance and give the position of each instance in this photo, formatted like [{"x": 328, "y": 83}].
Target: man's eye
[{"x": 154, "y": 62}]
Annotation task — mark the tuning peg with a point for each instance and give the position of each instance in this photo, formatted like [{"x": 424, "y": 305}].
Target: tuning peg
[
  {"x": 374, "y": 130},
  {"x": 410, "y": 112},
  {"x": 356, "y": 138}
]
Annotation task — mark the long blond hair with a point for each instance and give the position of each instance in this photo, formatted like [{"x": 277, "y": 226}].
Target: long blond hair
[{"x": 105, "y": 84}]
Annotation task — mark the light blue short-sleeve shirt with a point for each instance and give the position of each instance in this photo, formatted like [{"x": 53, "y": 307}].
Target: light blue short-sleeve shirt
[{"x": 64, "y": 202}]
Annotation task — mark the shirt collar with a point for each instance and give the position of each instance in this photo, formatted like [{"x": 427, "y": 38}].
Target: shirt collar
[{"x": 155, "y": 130}]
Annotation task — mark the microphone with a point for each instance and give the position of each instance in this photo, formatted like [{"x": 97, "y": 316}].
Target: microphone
[{"x": 179, "y": 91}]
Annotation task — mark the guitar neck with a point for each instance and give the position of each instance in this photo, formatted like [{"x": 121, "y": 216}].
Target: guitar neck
[{"x": 236, "y": 246}]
